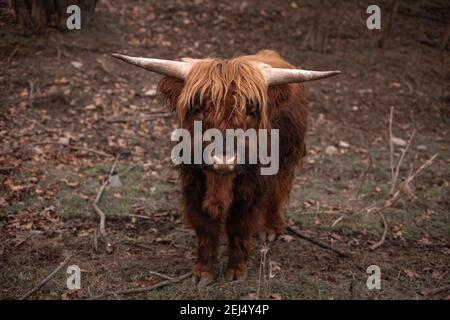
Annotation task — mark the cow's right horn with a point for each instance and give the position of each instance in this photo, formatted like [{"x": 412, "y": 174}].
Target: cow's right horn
[{"x": 176, "y": 69}]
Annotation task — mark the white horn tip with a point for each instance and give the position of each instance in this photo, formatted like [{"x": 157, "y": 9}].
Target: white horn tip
[
  {"x": 119, "y": 56},
  {"x": 326, "y": 74}
]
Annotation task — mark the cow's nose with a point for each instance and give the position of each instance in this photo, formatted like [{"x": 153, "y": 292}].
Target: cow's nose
[
  {"x": 224, "y": 163},
  {"x": 227, "y": 159}
]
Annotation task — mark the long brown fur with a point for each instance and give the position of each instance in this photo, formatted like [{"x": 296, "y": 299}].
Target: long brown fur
[{"x": 245, "y": 201}]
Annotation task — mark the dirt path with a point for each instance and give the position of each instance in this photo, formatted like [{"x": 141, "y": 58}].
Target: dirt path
[{"x": 61, "y": 90}]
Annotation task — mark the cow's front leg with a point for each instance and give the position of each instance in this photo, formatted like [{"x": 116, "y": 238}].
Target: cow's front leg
[
  {"x": 240, "y": 225},
  {"x": 208, "y": 232}
]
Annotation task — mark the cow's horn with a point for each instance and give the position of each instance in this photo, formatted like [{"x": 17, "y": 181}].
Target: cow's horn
[
  {"x": 278, "y": 76},
  {"x": 176, "y": 69}
]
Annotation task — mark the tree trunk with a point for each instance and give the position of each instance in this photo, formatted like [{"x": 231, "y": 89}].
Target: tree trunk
[{"x": 35, "y": 15}]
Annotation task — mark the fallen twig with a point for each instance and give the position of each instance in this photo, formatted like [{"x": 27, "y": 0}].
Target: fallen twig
[
  {"x": 161, "y": 275},
  {"x": 138, "y": 244},
  {"x": 383, "y": 236},
  {"x": 132, "y": 215},
  {"x": 321, "y": 244},
  {"x": 46, "y": 279},
  {"x": 100, "y": 153},
  {"x": 100, "y": 213},
  {"x": 141, "y": 290},
  {"x": 12, "y": 54}
]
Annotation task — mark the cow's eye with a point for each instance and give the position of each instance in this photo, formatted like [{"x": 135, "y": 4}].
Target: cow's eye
[
  {"x": 196, "y": 110},
  {"x": 252, "y": 114}
]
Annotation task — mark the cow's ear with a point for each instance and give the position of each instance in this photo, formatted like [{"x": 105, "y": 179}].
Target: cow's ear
[{"x": 170, "y": 90}]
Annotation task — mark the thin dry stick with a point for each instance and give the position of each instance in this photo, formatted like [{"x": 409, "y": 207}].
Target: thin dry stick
[
  {"x": 161, "y": 275},
  {"x": 46, "y": 279},
  {"x": 363, "y": 179},
  {"x": 408, "y": 180},
  {"x": 262, "y": 268},
  {"x": 337, "y": 221},
  {"x": 391, "y": 143},
  {"x": 100, "y": 213},
  {"x": 321, "y": 244},
  {"x": 388, "y": 203},
  {"x": 11, "y": 55},
  {"x": 138, "y": 216},
  {"x": 31, "y": 93},
  {"x": 383, "y": 236},
  {"x": 141, "y": 290},
  {"x": 402, "y": 156}
]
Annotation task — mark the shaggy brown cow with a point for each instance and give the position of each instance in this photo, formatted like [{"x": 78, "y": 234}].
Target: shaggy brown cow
[{"x": 255, "y": 91}]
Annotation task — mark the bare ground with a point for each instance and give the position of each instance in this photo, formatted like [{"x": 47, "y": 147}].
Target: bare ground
[{"x": 64, "y": 89}]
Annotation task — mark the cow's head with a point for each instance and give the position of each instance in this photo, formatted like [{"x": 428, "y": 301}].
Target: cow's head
[{"x": 222, "y": 94}]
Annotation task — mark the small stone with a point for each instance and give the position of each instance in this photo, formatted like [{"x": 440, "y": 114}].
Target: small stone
[
  {"x": 365, "y": 91},
  {"x": 115, "y": 181},
  {"x": 344, "y": 144},
  {"x": 331, "y": 151},
  {"x": 286, "y": 238},
  {"x": 151, "y": 92},
  {"x": 64, "y": 141},
  {"x": 398, "y": 142},
  {"x": 77, "y": 64},
  {"x": 422, "y": 147}
]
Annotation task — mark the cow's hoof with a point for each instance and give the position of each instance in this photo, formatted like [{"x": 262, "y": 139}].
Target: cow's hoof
[
  {"x": 202, "y": 279},
  {"x": 268, "y": 236},
  {"x": 236, "y": 273}
]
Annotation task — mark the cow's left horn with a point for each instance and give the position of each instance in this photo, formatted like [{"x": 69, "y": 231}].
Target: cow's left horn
[
  {"x": 176, "y": 69},
  {"x": 278, "y": 76}
]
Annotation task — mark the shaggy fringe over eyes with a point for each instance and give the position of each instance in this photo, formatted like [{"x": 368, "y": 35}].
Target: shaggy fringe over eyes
[{"x": 211, "y": 81}]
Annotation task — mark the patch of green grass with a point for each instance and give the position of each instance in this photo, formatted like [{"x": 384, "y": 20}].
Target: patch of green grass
[
  {"x": 72, "y": 204},
  {"x": 159, "y": 294},
  {"x": 305, "y": 288}
]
